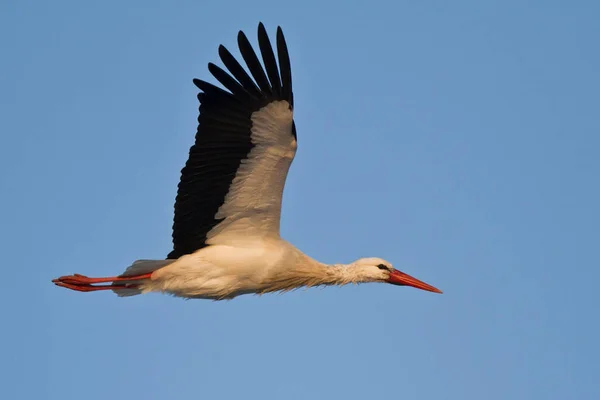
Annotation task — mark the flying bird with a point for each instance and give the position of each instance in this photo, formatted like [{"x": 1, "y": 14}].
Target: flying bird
[{"x": 226, "y": 239}]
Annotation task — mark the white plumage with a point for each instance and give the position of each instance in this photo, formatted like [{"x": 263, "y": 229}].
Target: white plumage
[
  {"x": 252, "y": 207},
  {"x": 226, "y": 238}
]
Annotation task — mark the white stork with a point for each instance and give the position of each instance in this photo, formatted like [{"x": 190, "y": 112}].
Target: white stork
[{"x": 226, "y": 238}]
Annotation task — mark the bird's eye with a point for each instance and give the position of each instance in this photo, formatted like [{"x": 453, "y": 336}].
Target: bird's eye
[{"x": 383, "y": 266}]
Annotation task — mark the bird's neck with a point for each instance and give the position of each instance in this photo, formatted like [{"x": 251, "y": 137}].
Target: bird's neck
[
  {"x": 309, "y": 273},
  {"x": 343, "y": 274},
  {"x": 325, "y": 274}
]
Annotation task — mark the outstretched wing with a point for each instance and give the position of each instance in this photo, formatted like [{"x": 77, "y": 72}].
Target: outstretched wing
[{"x": 232, "y": 184}]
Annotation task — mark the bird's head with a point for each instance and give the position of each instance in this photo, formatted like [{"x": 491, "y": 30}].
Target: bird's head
[{"x": 377, "y": 270}]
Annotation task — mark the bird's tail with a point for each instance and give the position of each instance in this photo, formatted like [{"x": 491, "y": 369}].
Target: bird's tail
[{"x": 139, "y": 267}]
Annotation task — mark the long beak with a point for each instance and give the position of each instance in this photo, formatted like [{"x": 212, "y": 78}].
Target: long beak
[{"x": 402, "y": 279}]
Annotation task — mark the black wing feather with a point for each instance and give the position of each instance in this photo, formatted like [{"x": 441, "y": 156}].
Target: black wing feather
[
  {"x": 223, "y": 135},
  {"x": 269, "y": 59},
  {"x": 238, "y": 72},
  {"x": 253, "y": 64},
  {"x": 231, "y": 84},
  {"x": 285, "y": 66}
]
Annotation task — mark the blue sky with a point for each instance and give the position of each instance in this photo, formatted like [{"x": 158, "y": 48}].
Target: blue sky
[{"x": 459, "y": 140}]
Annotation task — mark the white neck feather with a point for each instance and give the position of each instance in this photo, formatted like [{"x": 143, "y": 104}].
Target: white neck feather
[{"x": 314, "y": 273}]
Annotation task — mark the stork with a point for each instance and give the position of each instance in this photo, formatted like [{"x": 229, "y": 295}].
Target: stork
[{"x": 226, "y": 239}]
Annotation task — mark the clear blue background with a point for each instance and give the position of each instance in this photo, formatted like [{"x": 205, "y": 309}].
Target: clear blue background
[{"x": 459, "y": 140}]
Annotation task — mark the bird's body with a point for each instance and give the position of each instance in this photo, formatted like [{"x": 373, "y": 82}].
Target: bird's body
[
  {"x": 224, "y": 272},
  {"x": 227, "y": 211}
]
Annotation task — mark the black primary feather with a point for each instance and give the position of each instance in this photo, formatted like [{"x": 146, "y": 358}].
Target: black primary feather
[
  {"x": 269, "y": 59},
  {"x": 257, "y": 71}
]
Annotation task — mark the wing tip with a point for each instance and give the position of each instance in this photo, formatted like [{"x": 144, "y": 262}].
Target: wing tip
[{"x": 272, "y": 76}]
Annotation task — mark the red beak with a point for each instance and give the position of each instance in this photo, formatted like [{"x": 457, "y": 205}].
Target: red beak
[{"x": 402, "y": 279}]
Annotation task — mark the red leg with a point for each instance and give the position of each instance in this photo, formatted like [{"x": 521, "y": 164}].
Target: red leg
[
  {"x": 83, "y": 283},
  {"x": 90, "y": 288}
]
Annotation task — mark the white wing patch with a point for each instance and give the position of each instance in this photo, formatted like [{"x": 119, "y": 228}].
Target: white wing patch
[{"x": 252, "y": 207}]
